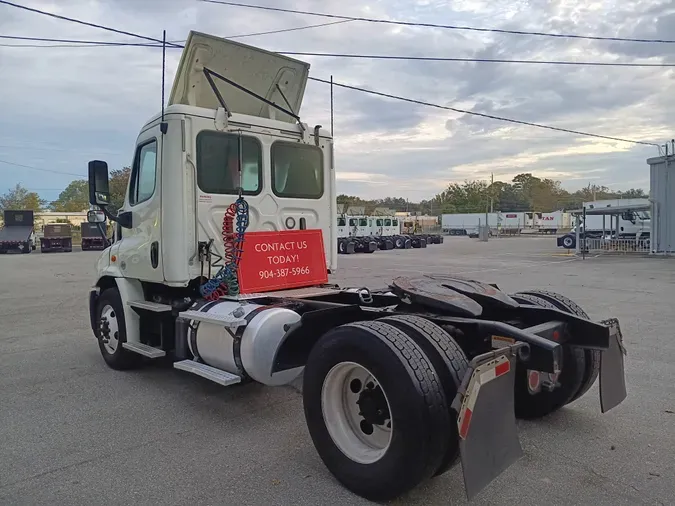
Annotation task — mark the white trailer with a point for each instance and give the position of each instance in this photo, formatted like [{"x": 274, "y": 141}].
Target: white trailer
[
  {"x": 228, "y": 235},
  {"x": 551, "y": 222},
  {"x": 511, "y": 222},
  {"x": 467, "y": 223}
]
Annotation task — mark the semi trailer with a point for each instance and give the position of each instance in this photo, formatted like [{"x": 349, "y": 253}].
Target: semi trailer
[
  {"x": 57, "y": 237},
  {"x": 220, "y": 265},
  {"x": 18, "y": 234}
]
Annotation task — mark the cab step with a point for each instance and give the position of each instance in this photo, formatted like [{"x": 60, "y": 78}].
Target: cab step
[
  {"x": 224, "y": 320},
  {"x": 144, "y": 349},
  {"x": 150, "y": 306},
  {"x": 206, "y": 371}
]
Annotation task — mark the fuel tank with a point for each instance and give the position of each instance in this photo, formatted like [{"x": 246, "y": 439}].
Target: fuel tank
[{"x": 247, "y": 349}]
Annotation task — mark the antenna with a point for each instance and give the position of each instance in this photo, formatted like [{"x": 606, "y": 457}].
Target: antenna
[
  {"x": 240, "y": 146},
  {"x": 163, "y": 126}
]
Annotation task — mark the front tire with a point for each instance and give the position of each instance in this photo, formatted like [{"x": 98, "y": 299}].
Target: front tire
[
  {"x": 111, "y": 331},
  {"x": 568, "y": 242},
  {"x": 375, "y": 410}
]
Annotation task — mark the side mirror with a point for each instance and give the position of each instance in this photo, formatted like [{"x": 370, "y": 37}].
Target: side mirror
[
  {"x": 95, "y": 216},
  {"x": 99, "y": 191}
]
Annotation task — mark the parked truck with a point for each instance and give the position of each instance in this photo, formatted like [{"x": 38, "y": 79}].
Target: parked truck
[
  {"x": 18, "y": 234},
  {"x": 93, "y": 237},
  {"x": 227, "y": 241},
  {"x": 629, "y": 224},
  {"x": 56, "y": 237}
]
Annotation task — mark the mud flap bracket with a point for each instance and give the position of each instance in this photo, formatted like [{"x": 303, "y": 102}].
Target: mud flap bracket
[
  {"x": 488, "y": 435},
  {"x": 612, "y": 375}
]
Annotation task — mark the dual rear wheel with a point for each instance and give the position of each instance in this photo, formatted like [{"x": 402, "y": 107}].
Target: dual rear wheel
[
  {"x": 579, "y": 368},
  {"x": 377, "y": 398}
]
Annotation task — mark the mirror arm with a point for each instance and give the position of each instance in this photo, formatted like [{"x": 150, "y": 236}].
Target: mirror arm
[{"x": 124, "y": 219}]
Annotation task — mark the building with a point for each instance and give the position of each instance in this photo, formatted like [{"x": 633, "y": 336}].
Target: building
[{"x": 662, "y": 196}]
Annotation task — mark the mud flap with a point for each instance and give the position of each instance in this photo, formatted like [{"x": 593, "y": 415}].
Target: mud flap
[
  {"x": 488, "y": 436},
  {"x": 612, "y": 376}
]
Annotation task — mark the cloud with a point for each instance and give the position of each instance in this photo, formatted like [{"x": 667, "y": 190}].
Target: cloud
[{"x": 90, "y": 102}]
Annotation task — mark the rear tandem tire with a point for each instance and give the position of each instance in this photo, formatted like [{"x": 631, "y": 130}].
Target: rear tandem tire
[
  {"x": 531, "y": 406},
  {"x": 419, "y": 436},
  {"x": 592, "y": 356},
  {"x": 448, "y": 360}
]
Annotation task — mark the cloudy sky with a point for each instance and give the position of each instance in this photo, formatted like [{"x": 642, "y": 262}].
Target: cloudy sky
[{"x": 60, "y": 107}]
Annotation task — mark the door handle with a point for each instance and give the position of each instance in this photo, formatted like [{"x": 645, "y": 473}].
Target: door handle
[{"x": 154, "y": 254}]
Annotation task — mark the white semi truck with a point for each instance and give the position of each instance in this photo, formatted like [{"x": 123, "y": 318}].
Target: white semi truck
[
  {"x": 220, "y": 263},
  {"x": 629, "y": 224}
]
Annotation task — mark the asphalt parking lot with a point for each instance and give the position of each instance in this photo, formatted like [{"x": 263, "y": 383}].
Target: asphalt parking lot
[{"x": 74, "y": 432}]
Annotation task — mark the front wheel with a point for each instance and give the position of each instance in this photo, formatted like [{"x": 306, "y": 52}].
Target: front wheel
[
  {"x": 111, "y": 331},
  {"x": 375, "y": 410}
]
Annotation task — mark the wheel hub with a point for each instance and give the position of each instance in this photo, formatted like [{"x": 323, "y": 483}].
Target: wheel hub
[
  {"x": 356, "y": 412},
  {"x": 109, "y": 329},
  {"x": 373, "y": 405}
]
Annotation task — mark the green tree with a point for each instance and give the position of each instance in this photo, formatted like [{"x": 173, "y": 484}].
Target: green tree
[
  {"x": 21, "y": 199},
  {"x": 634, "y": 193},
  {"x": 468, "y": 197},
  {"x": 118, "y": 187},
  {"x": 74, "y": 198}
]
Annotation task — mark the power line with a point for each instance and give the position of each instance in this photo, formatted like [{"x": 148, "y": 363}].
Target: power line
[
  {"x": 472, "y": 113},
  {"x": 92, "y": 43},
  {"x": 43, "y": 170},
  {"x": 372, "y": 92},
  {"x": 476, "y": 60},
  {"x": 177, "y": 43},
  {"x": 72, "y": 20},
  {"x": 434, "y": 25}
]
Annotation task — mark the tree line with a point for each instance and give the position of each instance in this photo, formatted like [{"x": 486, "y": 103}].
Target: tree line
[
  {"x": 525, "y": 192},
  {"x": 73, "y": 199}
]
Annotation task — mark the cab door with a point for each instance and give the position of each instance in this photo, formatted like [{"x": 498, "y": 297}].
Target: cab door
[{"x": 138, "y": 250}]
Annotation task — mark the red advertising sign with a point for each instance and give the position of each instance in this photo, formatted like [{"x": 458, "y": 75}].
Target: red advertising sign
[{"x": 280, "y": 260}]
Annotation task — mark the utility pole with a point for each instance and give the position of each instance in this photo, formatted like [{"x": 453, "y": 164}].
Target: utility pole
[{"x": 492, "y": 182}]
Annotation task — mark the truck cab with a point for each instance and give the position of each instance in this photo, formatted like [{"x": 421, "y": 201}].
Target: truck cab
[
  {"x": 211, "y": 143},
  {"x": 359, "y": 226}
]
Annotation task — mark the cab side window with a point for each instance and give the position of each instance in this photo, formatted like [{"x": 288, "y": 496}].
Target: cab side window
[{"x": 143, "y": 173}]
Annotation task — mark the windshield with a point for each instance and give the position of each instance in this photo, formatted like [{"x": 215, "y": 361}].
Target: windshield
[
  {"x": 341, "y": 222},
  {"x": 363, "y": 222}
]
